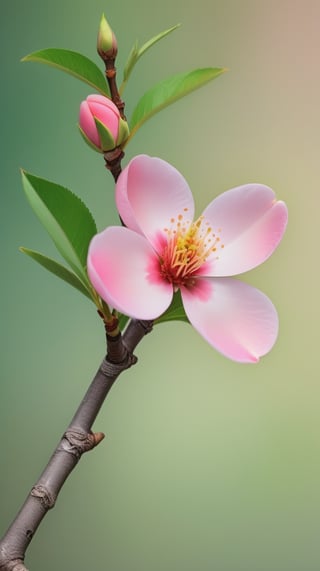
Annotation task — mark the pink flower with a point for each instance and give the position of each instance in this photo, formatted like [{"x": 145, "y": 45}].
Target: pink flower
[
  {"x": 101, "y": 124},
  {"x": 137, "y": 268}
]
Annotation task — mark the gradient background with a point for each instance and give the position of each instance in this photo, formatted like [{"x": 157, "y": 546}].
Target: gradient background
[{"x": 207, "y": 464}]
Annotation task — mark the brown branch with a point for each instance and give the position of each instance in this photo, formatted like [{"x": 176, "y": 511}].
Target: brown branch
[
  {"x": 77, "y": 439},
  {"x": 111, "y": 76},
  {"x": 113, "y": 161},
  {"x": 114, "y": 157}
]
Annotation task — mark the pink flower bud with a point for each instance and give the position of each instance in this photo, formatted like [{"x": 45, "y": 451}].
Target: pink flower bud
[{"x": 101, "y": 124}]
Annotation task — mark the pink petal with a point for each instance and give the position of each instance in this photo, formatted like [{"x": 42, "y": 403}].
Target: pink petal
[
  {"x": 235, "y": 318},
  {"x": 97, "y": 98},
  {"x": 150, "y": 194},
  {"x": 87, "y": 124},
  {"x": 250, "y": 224},
  {"x": 107, "y": 113},
  {"x": 123, "y": 268}
]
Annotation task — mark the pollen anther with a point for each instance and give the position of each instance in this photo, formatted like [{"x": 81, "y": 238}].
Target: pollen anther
[{"x": 188, "y": 248}]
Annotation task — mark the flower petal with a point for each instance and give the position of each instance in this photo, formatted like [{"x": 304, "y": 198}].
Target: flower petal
[
  {"x": 150, "y": 194},
  {"x": 249, "y": 223},
  {"x": 237, "y": 319},
  {"x": 87, "y": 124},
  {"x": 102, "y": 99},
  {"x": 106, "y": 111},
  {"x": 123, "y": 268}
]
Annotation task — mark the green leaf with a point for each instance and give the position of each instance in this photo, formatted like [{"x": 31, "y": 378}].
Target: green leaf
[
  {"x": 58, "y": 270},
  {"x": 175, "y": 312},
  {"x": 136, "y": 52},
  {"x": 66, "y": 219},
  {"x": 73, "y": 63},
  {"x": 156, "y": 39},
  {"x": 131, "y": 62},
  {"x": 123, "y": 320},
  {"x": 168, "y": 91}
]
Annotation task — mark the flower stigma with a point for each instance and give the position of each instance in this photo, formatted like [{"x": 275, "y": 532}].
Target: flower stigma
[{"x": 188, "y": 247}]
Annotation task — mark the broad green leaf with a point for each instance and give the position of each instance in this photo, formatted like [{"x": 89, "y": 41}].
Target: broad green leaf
[
  {"x": 168, "y": 91},
  {"x": 73, "y": 63},
  {"x": 65, "y": 217},
  {"x": 136, "y": 53},
  {"x": 57, "y": 269},
  {"x": 175, "y": 312}
]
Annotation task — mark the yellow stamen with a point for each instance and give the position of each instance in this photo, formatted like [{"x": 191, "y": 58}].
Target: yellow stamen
[{"x": 188, "y": 247}]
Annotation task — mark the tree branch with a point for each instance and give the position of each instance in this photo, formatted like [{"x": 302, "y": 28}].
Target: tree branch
[{"x": 77, "y": 439}]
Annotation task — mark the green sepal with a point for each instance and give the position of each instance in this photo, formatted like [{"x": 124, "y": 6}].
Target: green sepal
[
  {"x": 168, "y": 91},
  {"x": 89, "y": 143},
  {"x": 66, "y": 218},
  {"x": 73, "y": 63},
  {"x": 175, "y": 312},
  {"x": 58, "y": 270},
  {"x": 106, "y": 139},
  {"x": 123, "y": 132}
]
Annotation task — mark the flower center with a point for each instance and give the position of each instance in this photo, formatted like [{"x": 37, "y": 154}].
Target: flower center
[{"x": 188, "y": 247}]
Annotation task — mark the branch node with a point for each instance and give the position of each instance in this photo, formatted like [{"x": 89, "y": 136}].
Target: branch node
[
  {"x": 77, "y": 442},
  {"x": 98, "y": 437},
  {"x": 14, "y": 565},
  {"x": 113, "y": 161},
  {"x": 146, "y": 325},
  {"x": 117, "y": 353},
  {"x": 47, "y": 500},
  {"x": 111, "y": 369}
]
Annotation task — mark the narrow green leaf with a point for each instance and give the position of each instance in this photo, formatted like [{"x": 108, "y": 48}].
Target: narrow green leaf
[
  {"x": 58, "y": 270},
  {"x": 131, "y": 62},
  {"x": 156, "y": 39},
  {"x": 136, "y": 52},
  {"x": 65, "y": 217},
  {"x": 175, "y": 312},
  {"x": 73, "y": 63},
  {"x": 168, "y": 91}
]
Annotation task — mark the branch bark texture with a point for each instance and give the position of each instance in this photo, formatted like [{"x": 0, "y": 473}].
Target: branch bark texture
[{"x": 76, "y": 440}]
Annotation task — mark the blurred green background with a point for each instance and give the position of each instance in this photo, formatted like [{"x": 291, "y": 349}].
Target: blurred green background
[{"x": 207, "y": 464}]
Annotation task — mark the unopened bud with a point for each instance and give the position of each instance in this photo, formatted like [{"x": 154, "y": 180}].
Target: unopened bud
[
  {"x": 107, "y": 46},
  {"x": 101, "y": 125}
]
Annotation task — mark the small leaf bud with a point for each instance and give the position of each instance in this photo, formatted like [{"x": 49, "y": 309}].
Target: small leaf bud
[{"x": 107, "y": 46}]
